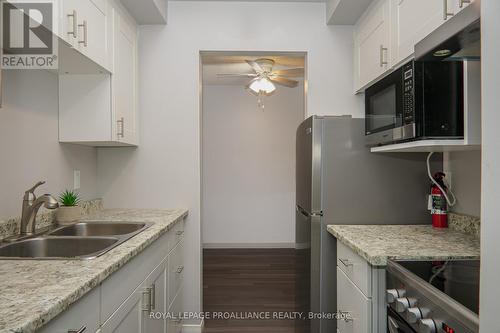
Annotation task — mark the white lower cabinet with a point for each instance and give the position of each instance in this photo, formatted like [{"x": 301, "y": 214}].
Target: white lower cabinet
[
  {"x": 350, "y": 299},
  {"x": 136, "y": 298},
  {"x": 360, "y": 293}
]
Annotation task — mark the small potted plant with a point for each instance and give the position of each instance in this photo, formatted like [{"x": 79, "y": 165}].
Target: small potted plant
[{"x": 69, "y": 211}]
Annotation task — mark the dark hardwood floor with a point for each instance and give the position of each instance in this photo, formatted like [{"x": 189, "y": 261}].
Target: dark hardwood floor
[{"x": 249, "y": 281}]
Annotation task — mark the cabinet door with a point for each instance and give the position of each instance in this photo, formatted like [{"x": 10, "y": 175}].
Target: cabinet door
[
  {"x": 372, "y": 38},
  {"x": 350, "y": 299},
  {"x": 92, "y": 30},
  {"x": 157, "y": 281},
  {"x": 84, "y": 26},
  {"x": 83, "y": 314},
  {"x": 174, "y": 324},
  {"x": 124, "y": 79},
  {"x": 413, "y": 20},
  {"x": 129, "y": 316}
]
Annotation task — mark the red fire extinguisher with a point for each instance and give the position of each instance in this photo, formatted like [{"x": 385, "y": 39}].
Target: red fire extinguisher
[{"x": 439, "y": 208}]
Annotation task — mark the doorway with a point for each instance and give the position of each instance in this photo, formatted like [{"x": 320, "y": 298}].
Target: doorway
[{"x": 248, "y": 186}]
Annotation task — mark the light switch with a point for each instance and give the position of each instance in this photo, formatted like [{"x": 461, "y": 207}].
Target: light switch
[{"x": 76, "y": 179}]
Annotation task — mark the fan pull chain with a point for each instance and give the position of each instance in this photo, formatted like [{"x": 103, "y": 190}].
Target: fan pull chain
[{"x": 260, "y": 101}]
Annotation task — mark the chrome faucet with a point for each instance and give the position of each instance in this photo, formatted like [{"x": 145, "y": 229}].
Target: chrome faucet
[{"x": 31, "y": 205}]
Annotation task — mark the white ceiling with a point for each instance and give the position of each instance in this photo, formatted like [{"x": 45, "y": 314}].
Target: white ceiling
[{"x": 229, "y": 63}]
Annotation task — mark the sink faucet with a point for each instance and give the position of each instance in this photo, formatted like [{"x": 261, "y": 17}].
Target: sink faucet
[{"x": 31, "y": 205}]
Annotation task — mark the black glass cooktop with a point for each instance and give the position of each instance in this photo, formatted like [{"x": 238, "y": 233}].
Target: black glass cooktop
[{"x": 459, "y": 279}]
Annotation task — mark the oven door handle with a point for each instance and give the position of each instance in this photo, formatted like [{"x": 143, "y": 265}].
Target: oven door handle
[{"x": 393, "y": 326}]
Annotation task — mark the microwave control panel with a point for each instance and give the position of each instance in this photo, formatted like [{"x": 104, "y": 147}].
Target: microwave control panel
[{"x": 408, "y": 78}]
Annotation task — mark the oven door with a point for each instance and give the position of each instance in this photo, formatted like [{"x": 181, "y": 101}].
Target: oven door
[
  {"x": 384, "y": 109},
  {"x": 395, "y": 324}
]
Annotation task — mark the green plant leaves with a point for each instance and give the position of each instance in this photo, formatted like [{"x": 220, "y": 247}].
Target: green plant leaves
[{"x": 69, "y": 198}]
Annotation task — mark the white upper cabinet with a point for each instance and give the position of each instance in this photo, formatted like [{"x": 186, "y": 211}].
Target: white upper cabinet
[
  {"x": 84, "y": 26},
  {"x": 412, "y": 21},
  {"x": 124, "y": 79},
  {"x": 386, "y": 34},
  {"x": 372, "y": 39},
  {"x": 101, "y": 110}
]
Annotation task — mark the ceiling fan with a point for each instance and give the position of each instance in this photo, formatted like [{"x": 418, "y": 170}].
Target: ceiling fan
[{"x": 264, "y": 77}]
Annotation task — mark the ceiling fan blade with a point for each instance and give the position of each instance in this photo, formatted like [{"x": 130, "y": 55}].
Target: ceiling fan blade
[
  {"x": 292, "y": 72},
  {"x": 255, "y": 66},
  {"x": 236, "y": 75},
  {"x": 284, "y": 82}
]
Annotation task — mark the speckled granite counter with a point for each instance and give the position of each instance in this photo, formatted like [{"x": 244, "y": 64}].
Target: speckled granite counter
[
  {"x": 377, "y": 243},
  {"x": 33, "y": 292}
]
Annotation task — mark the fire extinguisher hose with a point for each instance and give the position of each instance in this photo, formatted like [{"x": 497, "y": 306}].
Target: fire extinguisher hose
[{"x": 450, "y": 203}]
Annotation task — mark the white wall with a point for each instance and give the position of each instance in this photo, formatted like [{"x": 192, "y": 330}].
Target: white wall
[
  {"x": 29, "y": 145},
  {"x": 490, "y": 223},
  {"x": 248, "y": 196},
  {"x": 164, "y": 171},
  {"x": 465, "y": 168}
]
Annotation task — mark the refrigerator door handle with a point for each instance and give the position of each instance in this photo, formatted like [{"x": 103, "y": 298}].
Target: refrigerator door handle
[
  {"x": 303, "y": 211},
  {"x": 307, "y": 214}
]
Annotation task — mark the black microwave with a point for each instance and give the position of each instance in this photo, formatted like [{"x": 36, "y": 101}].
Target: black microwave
[{"x": 420, "y": 100}]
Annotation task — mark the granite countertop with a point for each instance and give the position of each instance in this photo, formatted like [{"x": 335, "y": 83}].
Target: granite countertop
[
  {"x": 377, "y": 243},
  {"x": 33, "y": 292}
]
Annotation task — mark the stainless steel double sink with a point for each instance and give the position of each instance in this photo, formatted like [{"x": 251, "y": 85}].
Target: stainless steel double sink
[{"x": 83, "y": 240}]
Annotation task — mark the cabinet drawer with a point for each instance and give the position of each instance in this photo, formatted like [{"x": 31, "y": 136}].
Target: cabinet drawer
[
  {"x": 174, "y": 324},
  {"x": 175, "y": 272},
  {"x": 83, "y": 313},
  {"x": 355, "y": 268},
  {"x": 350, "y": 299}
]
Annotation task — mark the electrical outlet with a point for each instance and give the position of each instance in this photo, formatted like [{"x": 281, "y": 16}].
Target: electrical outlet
[{"x": 76, "y": 179}]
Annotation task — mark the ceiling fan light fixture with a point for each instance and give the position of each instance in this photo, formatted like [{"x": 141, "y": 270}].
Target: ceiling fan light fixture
[{"x": 262, "y": 85}]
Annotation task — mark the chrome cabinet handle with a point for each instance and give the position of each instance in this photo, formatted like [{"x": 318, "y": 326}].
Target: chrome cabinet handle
[
  {"x": 382, "y": 50},
  {"x": 146, "y": 300},
  {"x": 461, "y": 2},
  {"x": 348, "y": 318},
  {"x": 346, "y": 262},
  {"x": 446, "y": 14},
  {"x": 121, "y": 127},
  {"x": 153, "y": 296},
  {"x": 75, "y": 24},
  {"x": 179, "y": 269},
  {"x": 85, "y": 33},
  {"x": 81, "y": 330}
]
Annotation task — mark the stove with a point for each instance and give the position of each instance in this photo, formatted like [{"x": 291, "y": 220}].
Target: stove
[{"x": 433, "y": 296}]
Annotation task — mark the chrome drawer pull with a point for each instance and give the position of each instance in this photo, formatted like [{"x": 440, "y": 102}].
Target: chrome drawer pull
[
  {"x": 346, "y": 262},
  {"x": 146, "y": 300},
  {"x": 85, "y": 34},
  {"x": 446, "y": 14},
  {"x": 461, "y": 2},
  {"x": 81, "y": 330},
  {"x": 75, "y": 24}
]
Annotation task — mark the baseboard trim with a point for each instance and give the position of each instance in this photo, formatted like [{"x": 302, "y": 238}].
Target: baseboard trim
[
  {"x": 249, "y": 245},
  {"x": 193, "y": 328}
]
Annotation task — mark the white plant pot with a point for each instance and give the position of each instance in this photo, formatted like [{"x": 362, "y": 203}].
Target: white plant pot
[{"x": 68, "y": 215}]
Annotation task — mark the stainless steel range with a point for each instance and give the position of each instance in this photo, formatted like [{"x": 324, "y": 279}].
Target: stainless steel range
[{"x": 433, "y": 296}]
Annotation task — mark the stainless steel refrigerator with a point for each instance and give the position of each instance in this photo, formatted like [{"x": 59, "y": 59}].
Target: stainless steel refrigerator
[{"x": 339, "y": 181}]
